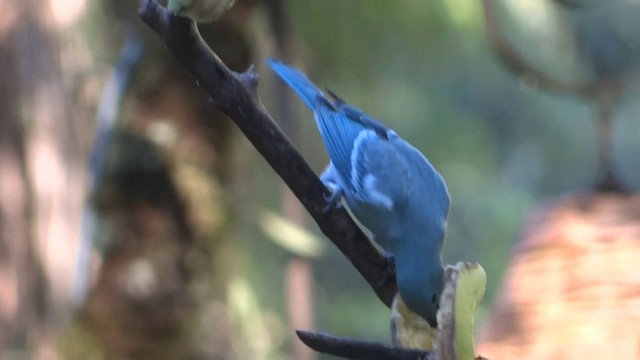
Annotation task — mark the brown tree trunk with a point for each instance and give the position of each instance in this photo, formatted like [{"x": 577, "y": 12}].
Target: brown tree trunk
[
  {"x": 18, "y": 277},
  {"x": 160, "y": 291},
  {"x": 164, "y": 216},
  {"x": 40, "y": 182}
]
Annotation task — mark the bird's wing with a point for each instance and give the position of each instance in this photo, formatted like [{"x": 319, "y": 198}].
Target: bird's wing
[
  {"x": 359, "y": 146},
  {"x": 339, "y": 134},
  {"x": 360, "y": 116},
  {"x": 367, "y": 161},
  {"x": 380, "y": 175}
]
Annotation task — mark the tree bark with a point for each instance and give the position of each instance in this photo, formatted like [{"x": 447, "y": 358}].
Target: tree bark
[
  {"x": 40, "y": 182},
  {"x": 162, "y": 204}
]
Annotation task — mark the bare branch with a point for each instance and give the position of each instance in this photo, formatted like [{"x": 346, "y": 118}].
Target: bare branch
[
  {"x": 605, "y": 92},
  {"x": 235, "y": 95},
  {"x": 518, "y": 64},
  {"x": 358, "y": 349},
  {"x": 609, "y": 180}
]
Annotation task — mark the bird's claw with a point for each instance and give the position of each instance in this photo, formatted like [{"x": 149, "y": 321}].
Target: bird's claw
[
  {"x": 390, "y": 261},
  {"x": 332, "y": 199},
  {"x": 390, "y": 268}
]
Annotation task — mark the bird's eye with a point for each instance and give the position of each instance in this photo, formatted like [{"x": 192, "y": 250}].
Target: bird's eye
[{"x": 434, "y": 299}]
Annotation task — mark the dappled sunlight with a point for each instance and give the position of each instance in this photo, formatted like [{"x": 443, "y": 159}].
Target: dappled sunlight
[
  {"x": 8, "y": 293},
  {"x": 261, "y": 335},
  {"x": 464, "y": 12},
  {"x": 66, "y": 12},
  {"x": 531, "y": 14},
  {"x": 290, "y": 236},
  {"x": 59, "y": 192},
  {"x": 9, "y": 14}
]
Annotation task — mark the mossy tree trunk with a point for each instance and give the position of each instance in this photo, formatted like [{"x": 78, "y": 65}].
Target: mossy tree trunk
[{"x": 164, "y": 213}]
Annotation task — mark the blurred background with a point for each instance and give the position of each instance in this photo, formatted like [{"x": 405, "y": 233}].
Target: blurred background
[{"x": 137, "y": 222}]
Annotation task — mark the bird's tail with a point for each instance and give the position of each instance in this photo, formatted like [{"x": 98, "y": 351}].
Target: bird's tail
[
  {"x": 339, "y": 132},
  {"x": 297, "y": 81}
]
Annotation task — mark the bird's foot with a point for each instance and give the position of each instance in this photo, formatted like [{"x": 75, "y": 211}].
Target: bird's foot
[
  {"x": 332, "y": 198},
  {"x": 390, "y": 268}
]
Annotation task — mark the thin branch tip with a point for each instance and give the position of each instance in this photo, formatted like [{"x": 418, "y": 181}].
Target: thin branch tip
[
  {"x": 359, "y": 349},
  {"x": 250, "y": 77},
  {"x": 143, "y": 5},
  {"x": 149, "y": 9}
]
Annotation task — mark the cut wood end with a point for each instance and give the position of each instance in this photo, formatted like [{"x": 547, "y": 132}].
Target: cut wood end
[{"x": 464, "y": 288}]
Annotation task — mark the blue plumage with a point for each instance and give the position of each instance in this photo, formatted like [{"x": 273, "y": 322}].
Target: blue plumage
[{"x": 390, "y": 187}]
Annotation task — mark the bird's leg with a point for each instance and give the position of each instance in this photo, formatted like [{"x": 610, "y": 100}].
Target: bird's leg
[
  {"x": 389, "y": 260},
  {"x": 336, "y": 192},
  {"x": 390, "y": 267},
  {"x": 332, "y": 197},
  {"x": 389, "y": 270}
]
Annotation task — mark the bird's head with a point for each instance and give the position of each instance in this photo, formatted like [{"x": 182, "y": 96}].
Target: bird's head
[
  {"x": 434, "y": 290},
  {"x": 421, "y": 285}
]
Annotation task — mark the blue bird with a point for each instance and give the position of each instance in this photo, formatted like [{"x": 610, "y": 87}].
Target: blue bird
[{"x": 389, "y": 186}]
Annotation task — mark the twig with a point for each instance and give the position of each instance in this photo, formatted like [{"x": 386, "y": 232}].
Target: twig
[
  {"x": 609, "y": 180},
  {"x": 358, "y": 349},
  {"x": 518, "y": 64},
  {"x": 235, "y": 94},
  {"x": 607, "y": 93}
]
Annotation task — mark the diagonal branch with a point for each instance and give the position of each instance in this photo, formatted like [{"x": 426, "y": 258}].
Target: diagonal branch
[
  {"x": 518, "y": 64},
  {"x": 358, "y": 349},
  {"x": 236, "y": 95}
]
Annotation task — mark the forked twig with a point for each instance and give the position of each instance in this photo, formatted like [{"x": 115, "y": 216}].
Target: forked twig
[{"x": 235, "y": 94}]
